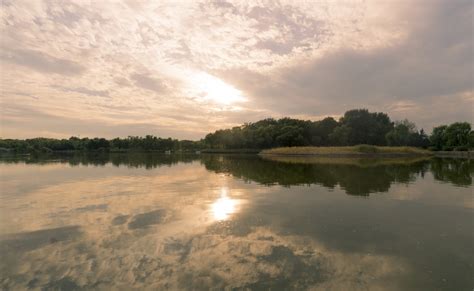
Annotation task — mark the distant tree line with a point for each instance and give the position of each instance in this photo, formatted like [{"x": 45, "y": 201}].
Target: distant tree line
[
  {"x": 358, "y": 126},
  {"x": 131, "y": 143}
]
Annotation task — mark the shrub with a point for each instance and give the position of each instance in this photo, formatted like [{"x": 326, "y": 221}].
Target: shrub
[{"x": 462, "y": 149}]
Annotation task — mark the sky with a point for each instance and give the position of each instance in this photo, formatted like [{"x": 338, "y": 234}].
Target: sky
[{"x": 182, "y": 69}]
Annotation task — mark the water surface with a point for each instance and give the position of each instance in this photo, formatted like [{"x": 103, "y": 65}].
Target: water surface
[{"x": 228, "y": 221}]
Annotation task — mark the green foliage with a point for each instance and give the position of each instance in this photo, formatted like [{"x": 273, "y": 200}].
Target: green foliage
[
  {"x": 340, "y": 136},
  {"x": 405, "y": 133},
  {"x": 265, "y": 133},
  {"x": 319, "y": 131},
  {"x": 462, "y": 149},
  {"x": 438, "y": 138},
  {"x": 364, "y": 127},
  {"x": 456, "y": 135},
  {"x": 358, "y": 126},
  {"x": 131, "y": 143}
]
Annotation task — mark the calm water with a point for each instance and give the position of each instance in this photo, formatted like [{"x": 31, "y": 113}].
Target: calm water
[{"x": 203, "y": 222}]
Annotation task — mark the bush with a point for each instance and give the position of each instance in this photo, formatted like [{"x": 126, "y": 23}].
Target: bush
[
  {"x": 462, "y": 149},
  {"x": 448, "y": 148}
]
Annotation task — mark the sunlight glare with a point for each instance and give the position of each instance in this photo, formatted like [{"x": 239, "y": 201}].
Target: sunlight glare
[
  {"x": 223, "y": 207},
  {"x": 216, "y": 90}
]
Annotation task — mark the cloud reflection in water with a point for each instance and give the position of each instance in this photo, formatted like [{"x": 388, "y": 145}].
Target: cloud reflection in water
[{"x": 234, "y": 222}]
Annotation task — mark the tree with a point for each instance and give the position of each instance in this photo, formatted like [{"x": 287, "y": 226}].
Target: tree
[
  {"x": 290, "y": 136},
  {"x": 438, "y": 138},
  {"x": 319, "y": 131},
  {"x": 358, "y": 126},
  {"x": 419, "y": 139},
  {"x": 403, "y": 133},
  {"x": 364, "y": 127},
  {"x": 340, "y": 136},
  {"x": 457, "y": 134}
]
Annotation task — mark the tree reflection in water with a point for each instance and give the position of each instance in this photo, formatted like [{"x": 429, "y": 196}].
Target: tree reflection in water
[
  {"x": 355, "y": 175},
  {"x": 190, "y": 222}
]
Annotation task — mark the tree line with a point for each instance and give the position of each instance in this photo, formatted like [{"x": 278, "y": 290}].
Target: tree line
[
  {"x": 131, "y": 143},
  {"x": 358, "y": 126}
]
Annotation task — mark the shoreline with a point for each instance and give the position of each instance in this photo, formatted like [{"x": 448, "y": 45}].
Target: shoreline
[{"x": 298, "y": 152}]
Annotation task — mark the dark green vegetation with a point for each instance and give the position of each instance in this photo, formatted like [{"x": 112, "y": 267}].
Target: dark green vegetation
[
  {"x": 356, "y": 127},
  {"x": 147, "y": 160},
  {"x": 353, "y": 175},
  {"x": 131, "y": 143}
]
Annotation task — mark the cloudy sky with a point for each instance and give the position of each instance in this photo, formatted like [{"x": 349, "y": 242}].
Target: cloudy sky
[{"x": 184, "y": 68}]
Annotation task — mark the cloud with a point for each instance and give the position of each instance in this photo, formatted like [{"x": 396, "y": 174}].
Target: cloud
[
  {"x": 324, "y": 242},
  {"x": 26, "y": 122},
  {"x": 431, "y": 62},
  {"x": 190, "y": 250},
  {"x": 287, "y": 58},
  {"x": 82, "y": 90},
  {"x": 146, "y": 82},
  {"x": 403, "y": 106},
  {"x": 41, "y": 62}
]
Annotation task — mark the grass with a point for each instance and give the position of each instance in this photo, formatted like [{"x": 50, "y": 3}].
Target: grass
[
  {"x": 359, "y": 150},
  {"x": 230, "y": 151}
]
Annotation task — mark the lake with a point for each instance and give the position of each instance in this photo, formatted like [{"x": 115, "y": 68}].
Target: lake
[{"x": 149, "y": 221}]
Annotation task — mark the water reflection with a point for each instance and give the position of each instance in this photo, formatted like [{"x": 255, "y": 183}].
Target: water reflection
[
  {"x": 235, "y": 222},
  {"x": 354, "y": 175},
  {"x": 456, "y": 171},
  {"x": 130, "y": 160},
  {"x": 224, "y": 207}
]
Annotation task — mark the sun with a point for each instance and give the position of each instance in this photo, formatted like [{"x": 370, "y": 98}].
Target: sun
[{"x": 215, "y": 90}]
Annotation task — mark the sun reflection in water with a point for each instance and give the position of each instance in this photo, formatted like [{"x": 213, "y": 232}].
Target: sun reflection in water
[{"x": 224, "y": 207}]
